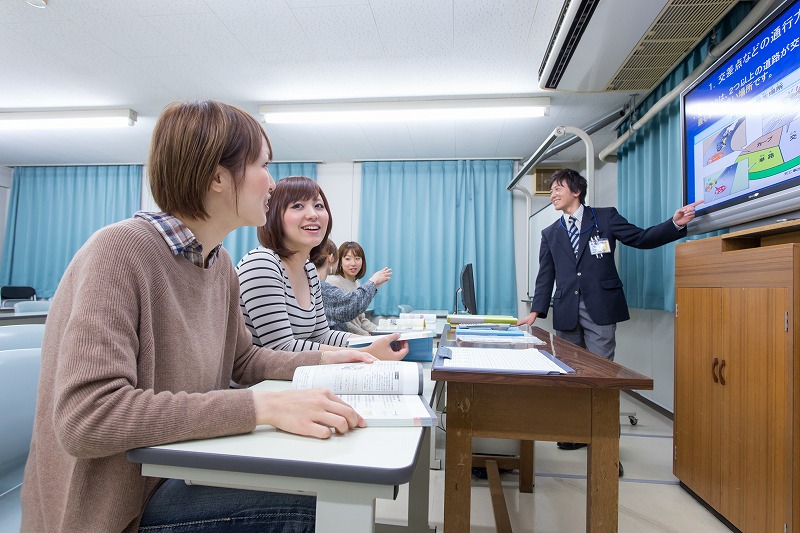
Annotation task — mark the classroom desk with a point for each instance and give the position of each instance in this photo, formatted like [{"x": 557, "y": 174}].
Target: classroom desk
[
  {"x": 346, "y": 472},
  {"x": 8, "y": 317},
  {"x": 579, "y": 407}
]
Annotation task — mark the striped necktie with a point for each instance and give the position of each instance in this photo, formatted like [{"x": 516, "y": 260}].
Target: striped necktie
[{"x": 573, "y": 234}]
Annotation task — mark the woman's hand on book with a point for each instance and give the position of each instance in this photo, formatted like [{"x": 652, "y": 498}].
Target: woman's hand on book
[
  {"x": 388, "y": 348},
  {"x": 311, "y": 412},
  {"x": 332, "y": 357},
  {"x": 381, "y": 276}
]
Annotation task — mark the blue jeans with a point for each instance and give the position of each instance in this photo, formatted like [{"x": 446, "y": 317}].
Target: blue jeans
[{"x": 176, "y": 507}]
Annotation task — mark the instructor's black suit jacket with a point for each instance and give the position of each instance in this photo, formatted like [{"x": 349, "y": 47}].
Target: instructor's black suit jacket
[{"x": 594, "y": 279}]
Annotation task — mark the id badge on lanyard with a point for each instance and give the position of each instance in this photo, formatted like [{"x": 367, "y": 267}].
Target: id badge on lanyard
[{"x": 599, "y": 245}]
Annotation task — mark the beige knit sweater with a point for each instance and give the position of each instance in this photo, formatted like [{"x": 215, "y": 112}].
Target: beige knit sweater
[{"x": 139, "y": 349}]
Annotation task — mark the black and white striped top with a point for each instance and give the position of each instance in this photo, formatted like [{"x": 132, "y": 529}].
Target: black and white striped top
[{"x": 270, "y": 308}]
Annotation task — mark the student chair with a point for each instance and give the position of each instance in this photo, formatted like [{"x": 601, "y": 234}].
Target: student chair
[
  {"x": 18, "y": 336},
  {"x": 11, "y": 294},
  {"x": 30, "y": 306},
  {"x": 19, "y": 378}
]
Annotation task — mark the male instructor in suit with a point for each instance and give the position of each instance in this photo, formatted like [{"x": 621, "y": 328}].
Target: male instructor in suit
[{"x": 577, "y": 254}]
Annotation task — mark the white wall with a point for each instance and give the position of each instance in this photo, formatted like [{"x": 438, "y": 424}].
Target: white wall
[
  {"x": 342, "y": 185},
  {"x": 5, "y": 194}
]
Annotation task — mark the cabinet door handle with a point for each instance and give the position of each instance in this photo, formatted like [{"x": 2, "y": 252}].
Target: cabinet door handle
[
  {"x": 714, "y": 364},
  {"x": 721, "y": 375}
]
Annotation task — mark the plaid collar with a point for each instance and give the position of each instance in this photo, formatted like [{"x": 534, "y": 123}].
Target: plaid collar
[{"x": 179, "y": 238}]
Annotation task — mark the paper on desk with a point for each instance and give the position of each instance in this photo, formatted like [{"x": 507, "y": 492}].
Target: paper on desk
[
  {"x": 528, "y": 361},
  {"x": 497, "y": 339}
]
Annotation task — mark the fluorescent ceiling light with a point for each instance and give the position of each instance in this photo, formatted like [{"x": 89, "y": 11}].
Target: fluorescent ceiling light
[
  {"x": 77, "y": 118},
  {"x": 417, "y": 110}
]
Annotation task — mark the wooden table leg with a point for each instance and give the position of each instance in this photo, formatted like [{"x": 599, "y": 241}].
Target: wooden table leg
[
  {"x": 502, "y": 523},
  {"x": 602, "y": 479},
  {"x": 526, "y": 466},
  {"x": 458, "y": 458}
]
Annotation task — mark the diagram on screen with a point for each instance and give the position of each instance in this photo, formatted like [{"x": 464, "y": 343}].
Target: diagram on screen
[
  {"x": 727, "y": 140},
  {"x": 764, "y": 159}
]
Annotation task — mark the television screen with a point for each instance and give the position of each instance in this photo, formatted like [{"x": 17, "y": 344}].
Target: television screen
[
  {"x": 468, "y": 290},
  {"x": 741, "y": 127}
]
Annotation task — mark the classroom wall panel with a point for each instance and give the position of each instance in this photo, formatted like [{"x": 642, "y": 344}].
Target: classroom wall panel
[
  {"x": 5, "y": 193},
  {"x": 341, "y": 183}
]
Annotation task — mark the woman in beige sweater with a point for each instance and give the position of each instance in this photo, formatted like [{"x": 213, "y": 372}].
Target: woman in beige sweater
[{"x": 144, "y": 337}]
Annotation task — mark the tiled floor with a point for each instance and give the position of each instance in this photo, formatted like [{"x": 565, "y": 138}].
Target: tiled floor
[{"x": 650, "y": 499}]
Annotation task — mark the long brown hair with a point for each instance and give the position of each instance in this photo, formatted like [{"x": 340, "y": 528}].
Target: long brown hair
[{"x": 287, "y": 191}]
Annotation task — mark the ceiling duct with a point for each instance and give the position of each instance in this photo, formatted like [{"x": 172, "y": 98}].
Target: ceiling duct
[{"x": 624, "y": 45}]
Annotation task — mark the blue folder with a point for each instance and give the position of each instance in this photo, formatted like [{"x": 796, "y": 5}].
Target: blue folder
[{"x": 512, "y": 331}]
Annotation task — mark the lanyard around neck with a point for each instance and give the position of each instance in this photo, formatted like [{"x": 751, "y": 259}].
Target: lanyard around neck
[{"x": 594, "y": 223}]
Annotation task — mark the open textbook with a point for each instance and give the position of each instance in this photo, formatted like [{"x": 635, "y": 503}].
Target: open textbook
[{"x": 384, "y": 393}]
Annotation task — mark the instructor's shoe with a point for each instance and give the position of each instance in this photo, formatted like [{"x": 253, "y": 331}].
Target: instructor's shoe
[
  {"x": 479, "y": 472},
  {"x": 570, "y": 445}
]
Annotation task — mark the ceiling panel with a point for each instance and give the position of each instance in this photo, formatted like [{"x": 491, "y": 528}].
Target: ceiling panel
[
  {"x": 144, "y": 8},
  {"x": 433, "y": 140},
  {"x": 345, "y": 140},
  {"x": 390, "y": 141},
  {"x": 268, "y": 30},
  {"x": 341, "y": 31},
  {"x": 418, "y": 29},
  {"x": 477, "y": 138},
  {"x": 144, "y": 54}
]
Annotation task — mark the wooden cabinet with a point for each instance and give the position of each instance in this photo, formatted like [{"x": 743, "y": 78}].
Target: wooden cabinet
[{"x": 735, "y": 352}]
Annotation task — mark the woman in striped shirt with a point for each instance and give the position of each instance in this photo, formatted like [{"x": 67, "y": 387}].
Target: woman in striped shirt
[{"x": 281, "y": 296}]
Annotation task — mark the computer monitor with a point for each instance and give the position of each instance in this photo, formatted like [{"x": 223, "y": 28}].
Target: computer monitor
[{"x": 467, "y": 290}]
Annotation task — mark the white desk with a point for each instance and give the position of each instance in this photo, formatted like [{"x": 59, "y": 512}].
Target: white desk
[
  {"x": 346, "y": 472},
  {"x": 8, "y": 317}
]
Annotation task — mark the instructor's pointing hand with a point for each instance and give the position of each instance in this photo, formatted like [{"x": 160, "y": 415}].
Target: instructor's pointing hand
[{"x": 685, "y": 214}]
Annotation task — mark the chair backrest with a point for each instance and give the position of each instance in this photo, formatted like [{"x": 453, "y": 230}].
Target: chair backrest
[
  {"x": 19, "y": 336},
  {"x": 13, "y": 292},
  {"x": 19, "y": 380},
  {"x": 30, "y": 306}
]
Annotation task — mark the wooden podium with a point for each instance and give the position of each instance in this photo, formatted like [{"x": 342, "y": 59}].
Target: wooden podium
[{"x": 736, "y": 344}]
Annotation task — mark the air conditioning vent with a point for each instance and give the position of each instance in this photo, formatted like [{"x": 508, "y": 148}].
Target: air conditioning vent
[
  {"x": 574, "y": 33},
  {"x": 624, "y": 45},
  {"x": 678, "y": 28}
]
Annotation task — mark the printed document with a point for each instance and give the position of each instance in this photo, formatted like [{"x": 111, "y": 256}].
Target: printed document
[{"x": 529, "y": 361}]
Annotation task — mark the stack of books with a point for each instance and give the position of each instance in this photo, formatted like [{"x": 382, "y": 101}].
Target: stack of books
[{"x": 481, "y": 319}]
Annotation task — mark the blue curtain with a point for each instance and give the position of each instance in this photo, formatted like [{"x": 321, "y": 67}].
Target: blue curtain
[
  {"x": 244, "y": 239},
  {"x": 427, "y": 219},
  {"x": 649, "y": 183},
  {"x": 54, "y": 210}
]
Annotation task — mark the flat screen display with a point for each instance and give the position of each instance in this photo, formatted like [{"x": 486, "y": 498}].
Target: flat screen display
[
  {"x": 741, "y": 127},
  {"x": 468, "y": 290}
]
